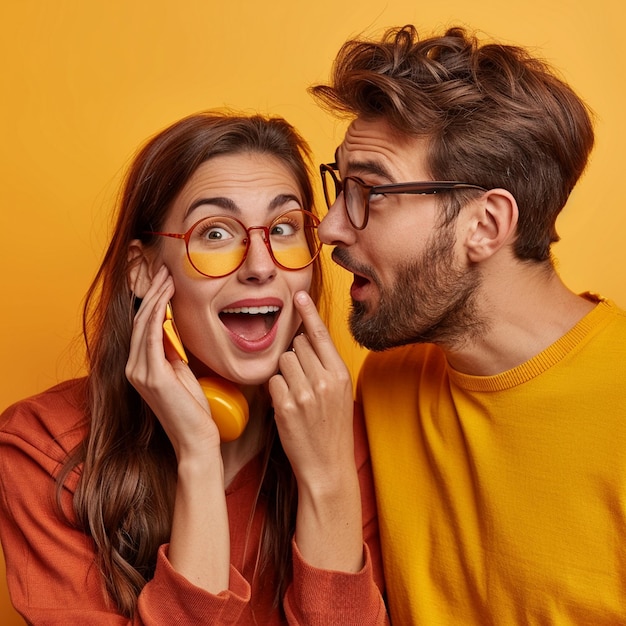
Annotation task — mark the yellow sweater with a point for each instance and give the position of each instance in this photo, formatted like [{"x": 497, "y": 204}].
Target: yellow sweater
[{"x": 502, "y": 499}]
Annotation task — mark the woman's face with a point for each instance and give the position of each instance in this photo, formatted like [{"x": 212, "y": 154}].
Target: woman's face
[{"x": 238, "y": 325}]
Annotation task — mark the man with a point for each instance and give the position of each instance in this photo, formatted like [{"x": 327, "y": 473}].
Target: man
[{"x": 495, "y": 397}]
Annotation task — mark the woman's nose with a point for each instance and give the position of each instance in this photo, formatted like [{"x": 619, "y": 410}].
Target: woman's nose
[{"x": 258, "y": 265}]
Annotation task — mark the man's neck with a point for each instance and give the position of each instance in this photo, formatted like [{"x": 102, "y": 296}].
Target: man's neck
[{"x": 525, "y": 309}]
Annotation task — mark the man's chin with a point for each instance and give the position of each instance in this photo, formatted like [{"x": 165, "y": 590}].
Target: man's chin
[{"x": 366, "y": 328}]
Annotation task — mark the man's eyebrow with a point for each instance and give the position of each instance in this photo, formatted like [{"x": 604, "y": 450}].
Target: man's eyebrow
[
  {"x": 375, "y": 168},
  {"x": 363, "y": 167}
]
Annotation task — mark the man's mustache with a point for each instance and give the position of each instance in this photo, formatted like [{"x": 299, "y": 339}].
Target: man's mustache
[{"x": 342, "y": 257}]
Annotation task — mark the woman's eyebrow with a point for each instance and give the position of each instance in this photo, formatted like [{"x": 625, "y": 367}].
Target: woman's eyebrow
[
  {"x": 282, "y": 199},
  {"x": 219, "y": 201},
  {"x": 231, "y": 207}
]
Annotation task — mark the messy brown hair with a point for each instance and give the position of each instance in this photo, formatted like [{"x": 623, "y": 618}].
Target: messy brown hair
[{"x": 492, "y": 114}]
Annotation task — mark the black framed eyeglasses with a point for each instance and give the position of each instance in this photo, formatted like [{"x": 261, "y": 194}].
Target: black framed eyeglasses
[
  {"x": 357, "y": 194},
  {"x": 218, "y": 245}
]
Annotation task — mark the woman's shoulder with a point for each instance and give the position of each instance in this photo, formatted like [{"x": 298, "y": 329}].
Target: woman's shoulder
[{"x": 53, "y": 420}]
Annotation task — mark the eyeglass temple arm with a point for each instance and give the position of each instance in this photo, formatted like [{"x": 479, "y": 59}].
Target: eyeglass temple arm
[
  {"x": 174, "y": 235},
  {"x": 425, "y": 187}
]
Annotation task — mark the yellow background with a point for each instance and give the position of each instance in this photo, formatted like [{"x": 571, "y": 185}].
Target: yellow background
[{"x": 85, "y": 82}]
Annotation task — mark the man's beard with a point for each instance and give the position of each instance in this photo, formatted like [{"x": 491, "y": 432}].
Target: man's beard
[{"x": 430, "y": 301}]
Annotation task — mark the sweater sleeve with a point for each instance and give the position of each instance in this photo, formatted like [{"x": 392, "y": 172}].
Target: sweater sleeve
[
  {"x": 321, "y": 597},
  {"x": 51, "y": 571},
  {"x": 170, "y": 598}
]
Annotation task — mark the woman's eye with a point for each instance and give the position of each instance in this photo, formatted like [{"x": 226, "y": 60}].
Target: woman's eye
[
  {"x": 283, "y": 230},
  {"x": 216, "y": 234}
]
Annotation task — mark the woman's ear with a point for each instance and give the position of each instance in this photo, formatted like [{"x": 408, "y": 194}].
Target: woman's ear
[
  {"x": 492, "y": 224},
  {"x": 139, "y": 269}
]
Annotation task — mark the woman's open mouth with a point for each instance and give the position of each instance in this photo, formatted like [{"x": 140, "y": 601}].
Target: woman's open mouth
[{"x": 251, "y": 327}]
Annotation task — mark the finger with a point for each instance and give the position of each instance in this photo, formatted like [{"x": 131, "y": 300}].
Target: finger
[
  {"x": 292, "y": 370},
  {"x": 146, "y": 343},
  {"x": 156, "y": 343},
  {"x": 303, "y": 359},
  {"x": 152, "y": 292},
  {"x": 152, "y": 310},
  {"x": 158, "y": 283},
  {"x": 278, "y": 388},
  {"x": 317, "y": 333},
  {"x": 144, "y": 316}
]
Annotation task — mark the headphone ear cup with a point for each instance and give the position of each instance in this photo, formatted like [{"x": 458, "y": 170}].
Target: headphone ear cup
[{"x": 229, "y": 407}]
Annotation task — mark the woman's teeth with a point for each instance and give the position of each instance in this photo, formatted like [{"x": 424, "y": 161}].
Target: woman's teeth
[
  {"x": 253, "y": 310},
  {"x": 250, "y": 322}
]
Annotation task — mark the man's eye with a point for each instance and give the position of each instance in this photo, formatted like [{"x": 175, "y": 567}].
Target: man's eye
[{"x": 377, "y": 196}]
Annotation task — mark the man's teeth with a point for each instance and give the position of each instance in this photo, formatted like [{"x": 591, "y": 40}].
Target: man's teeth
[{"x": 253, "y": 310}]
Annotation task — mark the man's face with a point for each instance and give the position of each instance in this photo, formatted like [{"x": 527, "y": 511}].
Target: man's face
[{"x": 412, "y": 282}]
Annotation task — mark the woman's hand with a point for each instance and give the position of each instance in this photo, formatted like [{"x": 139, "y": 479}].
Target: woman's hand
[
  {"x": 313, "y": 401},
  {"x": 167, "y": 384},
  {"x": 199, "y": 545},
  {"x": 313, "y": 405}
]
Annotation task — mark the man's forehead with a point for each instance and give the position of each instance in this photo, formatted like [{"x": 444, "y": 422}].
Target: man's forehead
[
  {"x": 365, "y": 135},
  {"x": 376, "y": 141}
]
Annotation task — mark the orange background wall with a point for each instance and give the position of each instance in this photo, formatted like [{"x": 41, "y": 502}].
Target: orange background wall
[{"x": 84, "y": 83}]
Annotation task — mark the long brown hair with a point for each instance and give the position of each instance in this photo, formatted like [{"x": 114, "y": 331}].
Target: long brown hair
[
  {"x": 125, "y": 495},
  {"x": 493, "y": 115}
]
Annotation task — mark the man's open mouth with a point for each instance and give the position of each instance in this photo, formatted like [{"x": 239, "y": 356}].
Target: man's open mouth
[
  {"x": 340, "y": 256},
  {"x": 251, "y": 323},
  {"x": 359, "y": 281}
]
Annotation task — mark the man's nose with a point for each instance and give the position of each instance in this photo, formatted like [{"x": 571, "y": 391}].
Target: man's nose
[{"x": 335, "y": 229}]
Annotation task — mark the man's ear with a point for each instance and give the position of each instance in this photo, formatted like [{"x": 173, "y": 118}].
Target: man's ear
[
  {"x": 492, "y": 224},
  {"x": 139, "y": 269}
]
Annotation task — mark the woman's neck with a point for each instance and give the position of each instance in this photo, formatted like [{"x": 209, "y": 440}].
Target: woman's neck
[{"x": 237, "y": 453}]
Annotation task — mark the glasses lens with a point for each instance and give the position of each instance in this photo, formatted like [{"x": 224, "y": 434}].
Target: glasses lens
[
  {"x": 217, "y": 246},
  {"x": 355, "y": 197},
  {"x": 293, "y": 239},
  {"x": 330, "y": 187}
]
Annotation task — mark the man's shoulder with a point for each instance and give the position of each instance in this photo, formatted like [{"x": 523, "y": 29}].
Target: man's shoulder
[
  {"x": 606, "y": 306},
  {"x": 618, "y": 312},
  {"x": 605, "y": 327}
]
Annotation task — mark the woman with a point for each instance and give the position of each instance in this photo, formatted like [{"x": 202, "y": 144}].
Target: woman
[{"x": 156, "y": 520}]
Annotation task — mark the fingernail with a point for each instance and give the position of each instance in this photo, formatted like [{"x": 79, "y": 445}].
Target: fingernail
[{"x": 302, "y": 297}]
